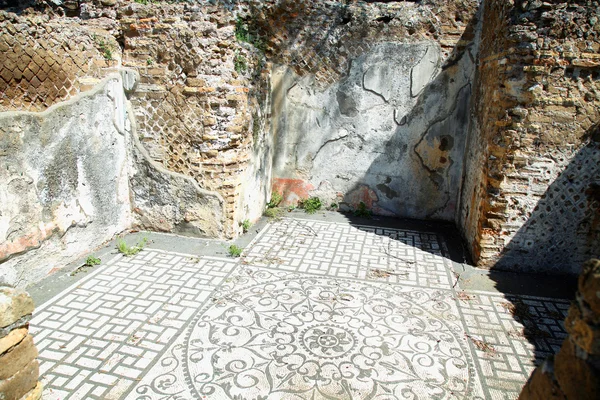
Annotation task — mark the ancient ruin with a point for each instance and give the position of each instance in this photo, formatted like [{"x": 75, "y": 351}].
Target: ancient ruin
[{"x": 470, "y": 127}]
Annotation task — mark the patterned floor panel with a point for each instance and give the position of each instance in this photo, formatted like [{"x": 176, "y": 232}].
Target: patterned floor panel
[{"x": 312, "y": 310}]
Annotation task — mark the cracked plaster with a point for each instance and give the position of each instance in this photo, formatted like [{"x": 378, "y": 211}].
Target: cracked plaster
[{"x": 394, "y": 128}]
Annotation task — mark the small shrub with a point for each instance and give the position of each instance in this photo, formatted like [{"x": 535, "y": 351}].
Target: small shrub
[
  {"x": 239, "y": 64},
  {"x": 276, "y": 198},
  {"x": 91, "y": 261},
  {"x": 246, "y": 224},
  {"x": 291, "y": 208},
  {"x": 133, "y": 250},
  {"x": 362, "y": 211},
  {"x": 333, "y": 206},
  {"x": 149, "y": 61},
  {"x": 241, "y": 32},
  {"x": 311, "y": 205},
  {"x": 273, "y": 213},
  {"x": 104, "y": 47},
  {"x": 235, "y": 251}
]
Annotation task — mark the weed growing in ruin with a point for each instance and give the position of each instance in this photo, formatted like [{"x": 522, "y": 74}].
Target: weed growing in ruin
[
  {"x": 246, "y": 224},
  {"x": 104, "y": 47},
  {"x": 311, "y": 205},
  {"x": 91, "y": 261},
  {"x": 274, "y": 213},
  {"x": 243, "y": 34},
  {"x": 362, "y": 211},
  {"x": 235, "y": 251},
  {"x": 133, "y": 250},
  {"x": 239, "y": 63},
  {"x": 149, "y": 61},
  {"x": 276, "y": 198},
  {"x": 241, "y": 31}
]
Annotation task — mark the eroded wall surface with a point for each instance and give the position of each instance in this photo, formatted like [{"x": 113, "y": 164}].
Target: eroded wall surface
[
  {"x": 530, "y": 199},
  {"x": 197, "y": 113},
  {"x": 390, "y": 134},
  {"x": 431, "y": 109},
  {"x": 372, "y": 104},
  {"x": 64, "y": 183}
]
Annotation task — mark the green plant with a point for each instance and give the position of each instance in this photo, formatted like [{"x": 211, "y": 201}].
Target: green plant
[
  {"x": 241, "y": 31},
  {"x": 149, "y": 61},
  {"x": 104, "y": 47},
  {"x": 91, "y": 261},
  {"x": 362, "y": 211},
  {"x": 273, "y": 213},
  {"x": 246, "y": 224},
  {"x": 243, "y": 34},
  {"x": 239, "y": 63},
  {"x": 133, "y": 250},
  {"x": 311, "y": 205},
  {"x": 291, "y": 208},
  {"x": 276, "y": 198},
  {"x": 333, "y": 206},
  {"x": 235, "y": 251}
]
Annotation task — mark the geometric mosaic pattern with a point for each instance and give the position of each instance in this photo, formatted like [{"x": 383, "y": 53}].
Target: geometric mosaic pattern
[
  {"x": 97, "y": 338},
  {"x": 312, "y": 310},
  {"x": 346, "y": 251}
]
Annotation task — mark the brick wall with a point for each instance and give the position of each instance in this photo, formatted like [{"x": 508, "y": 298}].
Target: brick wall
[
  {"x": 44, "y": 61},
  {"x": 530, "y": 200},
  {"x": 196, "y": 114}
]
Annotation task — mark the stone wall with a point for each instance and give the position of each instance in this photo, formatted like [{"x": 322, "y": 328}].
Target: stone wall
[
  {"x": 197, "y": 113},
  {"x": 19, "y": 367},
  {"x": 370, "y": 102},
  {"x": 75, "y": 175},
  {"x": 574, "y": 373},
  {"x": 530, "y": 199},
  {"x": 486, "y": 116},
  {"x": 46, "y": 60},
  {"x": 63, "y": 183}
]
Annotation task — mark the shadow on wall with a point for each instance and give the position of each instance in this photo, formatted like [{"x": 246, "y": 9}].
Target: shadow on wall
[
  {"x": 418, "y": 173},
  {"x": 563, "y": 231},
  {"x": 561, "y": 234},
  {"x": 390, "y": 134}
]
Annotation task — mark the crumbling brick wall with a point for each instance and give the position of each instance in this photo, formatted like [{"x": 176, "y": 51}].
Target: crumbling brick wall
[
  {"x": 196, "y": 114},
  {"x": 44, "y": 61},
  {"x": 529, "y": 200}
]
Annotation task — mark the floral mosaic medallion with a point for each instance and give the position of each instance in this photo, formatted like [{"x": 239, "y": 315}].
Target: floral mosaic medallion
[{"x": 306, "y": 337}]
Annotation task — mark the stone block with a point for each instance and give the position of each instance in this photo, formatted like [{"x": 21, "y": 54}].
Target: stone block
[
  {"x": 20, "y": 384},
  {"x": 12, "y": 339},
  {"x": 34, "y": 394},
  {"x": 17, "y": 358},
  {"x": 585, "y": 63},
  {"x": 584, "y": 334},
  {"x": 542, "y": 385},
  {"x": 14, "y": 304},
  {"x": 577, "y": 378},
  {"x": 589, "y": 285},
  {"x": 195, "y": 82}
]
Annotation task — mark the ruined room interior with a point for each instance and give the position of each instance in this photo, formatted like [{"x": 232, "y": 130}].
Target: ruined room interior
[{"x": 244, "y": 199}]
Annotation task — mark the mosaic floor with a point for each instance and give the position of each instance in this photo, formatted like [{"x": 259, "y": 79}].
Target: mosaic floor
[{"x": 312, "y": 310}]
